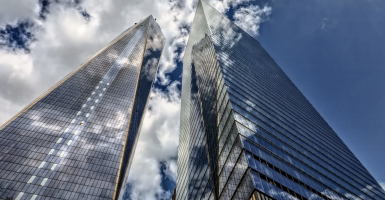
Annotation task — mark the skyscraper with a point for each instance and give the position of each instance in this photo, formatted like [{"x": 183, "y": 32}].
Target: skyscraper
[
  {"x": 247, "y": 132},
  {"x": 77, "y": 140}
]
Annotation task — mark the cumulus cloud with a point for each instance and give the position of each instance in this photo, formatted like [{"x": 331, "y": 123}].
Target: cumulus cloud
[
  {"x": 224, "y": 5},
  {"x": 171, "y": 169},
  {"x": 382, "y": 184},
  {"x": 177, "y": 21},
  {"x": 12, "y": 11},
  {"x": 158, "y": 143},
  {"x": 249, "y": 18}
]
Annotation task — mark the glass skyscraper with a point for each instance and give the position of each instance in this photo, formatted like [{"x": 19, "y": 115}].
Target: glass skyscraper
[
  {"x": 77, "y": 140},
  {"x": 247, "y": 132}
]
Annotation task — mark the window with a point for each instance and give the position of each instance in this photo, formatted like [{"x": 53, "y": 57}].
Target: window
[
  {"x": 44, "y": 181},
  {"x": 41, "y": 165},
  {"x": 31, "y": 179},
  {"x": 92, "y": 107},
  {"x": 104, "y": 89},
  {"x": 97, "y": 87},
  {"x": 79, "y": 113},
  {"x": 33, "y": 197},
  {"x": 76, "y": 132},
  {"x": 69, "y": 142},
  {"x": 96, "y": 101},
  {"x": 19, "y": 196},
  {"x": 73, "y": 121},
  {"x": 66, "y": 130},
  {"x": 53, "y": 167},
  {"x": 88, "y": 99},
  {"x": 100, "y": 95},
  {"x": 88, "y": 114},
  {"x": 59, "y": 140},
  {"x": 62, "y": 153},
  {"x": 84, "y": 105},
  {"x": 51, "y": 151}
]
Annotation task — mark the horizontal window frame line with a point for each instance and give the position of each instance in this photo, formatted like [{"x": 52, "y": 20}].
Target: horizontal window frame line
[
  {"x": 271, "y": 153},
  {"x": 233, "y": 126},
  {"x": 232, "y": 170},
  {"x": 363, "y": 175},
  {"x": 289, "y": 176},
  {"x": 234, "y": 74},
  {"x": 270, "y": 97},
  {"x": 344, "y": 180},
  {"x": 361, "y": 168}
]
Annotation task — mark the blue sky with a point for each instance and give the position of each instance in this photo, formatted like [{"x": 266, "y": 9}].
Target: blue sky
[{"x": 334, "y": 51}]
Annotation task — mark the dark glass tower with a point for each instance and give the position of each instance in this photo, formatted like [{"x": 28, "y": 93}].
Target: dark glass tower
[
  {"x": 77, "y": 140},
  {"x": 248, "y": 133}
]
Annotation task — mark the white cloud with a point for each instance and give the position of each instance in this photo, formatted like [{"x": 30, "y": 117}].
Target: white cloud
[
  {"x": 224, "y": 5},
  {"x": 17, "y": 83},
  {"x": 323, "y": 22},
  {"x": 158, "y": 142},
  {"x": 177, "y": 20},
  {"x": 382, "y": 184},
  {"x": 171, "y": 169},
  {"x": 249, "y": 18},
  {"x": 11, "y": 11}
]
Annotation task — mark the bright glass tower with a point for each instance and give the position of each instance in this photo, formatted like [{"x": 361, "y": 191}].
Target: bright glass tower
[
  {"x": 77, "y": 140},
  {"x": 248, "y": 133}
]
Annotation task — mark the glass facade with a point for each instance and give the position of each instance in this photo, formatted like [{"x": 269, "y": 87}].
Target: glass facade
[
  {"x": 77, "y": 140},
  {"x": 247, "y": 132}
]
